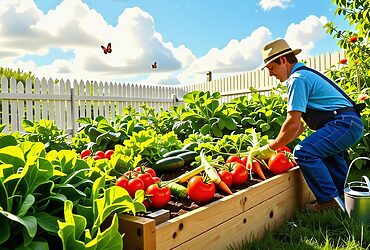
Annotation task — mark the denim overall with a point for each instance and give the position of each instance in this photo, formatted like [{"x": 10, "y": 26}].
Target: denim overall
[{"x": 321, "y": 155}]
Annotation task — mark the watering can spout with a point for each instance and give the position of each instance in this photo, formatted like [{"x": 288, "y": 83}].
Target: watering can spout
[{"x": 340, "y": 204}]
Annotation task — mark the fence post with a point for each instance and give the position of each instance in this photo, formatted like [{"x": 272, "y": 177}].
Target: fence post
[
  {"x": 174, "y": 99},
  {"x": 73, "y": 111}
]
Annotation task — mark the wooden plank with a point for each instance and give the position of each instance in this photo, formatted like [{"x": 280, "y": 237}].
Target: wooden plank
[
  {"x": 249, "y": 225},
  {"x": 139, "y": 232},
  {"x": 215, "y": 213},
  {"x": 13, "y": 106},
  {"x": 20, "y": 108},
  {"x": 5, "y": 105}
]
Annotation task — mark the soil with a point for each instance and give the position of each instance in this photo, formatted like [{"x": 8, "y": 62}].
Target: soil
[{"x": 178, "y": 206}]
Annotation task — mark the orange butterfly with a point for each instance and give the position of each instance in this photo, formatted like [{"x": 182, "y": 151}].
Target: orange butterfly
[
  {"x": 108, "y": 49},
  {"x": 154, "y": 66}
]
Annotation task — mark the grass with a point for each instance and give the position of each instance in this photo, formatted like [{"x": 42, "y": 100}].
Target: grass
[
  {"x": 331, "y": 229},
  {"x": 309, "y": 230}
]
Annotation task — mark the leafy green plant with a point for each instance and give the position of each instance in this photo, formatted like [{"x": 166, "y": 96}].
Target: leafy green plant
[{"x": 44, "y": 131}]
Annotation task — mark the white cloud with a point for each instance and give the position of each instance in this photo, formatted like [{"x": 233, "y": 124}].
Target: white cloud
[
  {"x": 72, "y": 25},
  {"x": 236, "y": 56},
  {"x": 306, "y": 34},
  {"x": 269, "y": 4}
]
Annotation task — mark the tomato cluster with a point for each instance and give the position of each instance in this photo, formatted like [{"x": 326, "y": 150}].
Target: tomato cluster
[
  {"x": 145, "y": 178},
  {"x": 86, "y": 153}
]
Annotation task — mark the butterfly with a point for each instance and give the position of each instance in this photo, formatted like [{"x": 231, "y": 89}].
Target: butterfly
[
  {"x": 108, "y": 49},
  {"x": 154, "y": 66}
]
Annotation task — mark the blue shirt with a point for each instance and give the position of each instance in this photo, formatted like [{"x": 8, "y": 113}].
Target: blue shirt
[{"x": 307, "y": 89}]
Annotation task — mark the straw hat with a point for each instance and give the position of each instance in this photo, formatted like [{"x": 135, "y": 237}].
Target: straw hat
[{"x": 276, "y": 49}]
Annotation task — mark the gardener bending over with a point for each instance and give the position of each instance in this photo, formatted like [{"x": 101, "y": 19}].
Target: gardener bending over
[{"x": 325, "y": 108}]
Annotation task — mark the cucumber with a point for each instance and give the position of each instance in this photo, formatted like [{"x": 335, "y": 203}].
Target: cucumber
[
  {"x": 175, "y": 152},
  {"x": 188, "y": 157},
  {"x": 169, "y": 164},
  {"x": 190, "y": 146},
  {"x": 178, "y": 190}
]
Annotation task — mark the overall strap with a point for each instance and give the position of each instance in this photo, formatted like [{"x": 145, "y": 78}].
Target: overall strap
[{"x": 329, "y": 81}]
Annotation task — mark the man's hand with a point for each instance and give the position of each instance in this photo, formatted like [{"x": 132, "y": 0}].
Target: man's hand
[{"x": 264, "y": 152}]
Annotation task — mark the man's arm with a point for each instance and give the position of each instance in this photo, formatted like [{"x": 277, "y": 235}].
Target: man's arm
[{"x": 291, "y": 129}]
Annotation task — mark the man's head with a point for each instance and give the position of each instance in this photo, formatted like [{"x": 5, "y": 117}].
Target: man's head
[{"x": 279, "y": 58}]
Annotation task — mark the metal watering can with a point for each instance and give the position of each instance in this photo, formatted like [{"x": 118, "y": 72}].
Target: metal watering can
[{"x": 356, "y": 197}]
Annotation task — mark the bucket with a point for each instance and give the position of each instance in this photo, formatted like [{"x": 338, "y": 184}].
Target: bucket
[{"x": 357, "y": 197}]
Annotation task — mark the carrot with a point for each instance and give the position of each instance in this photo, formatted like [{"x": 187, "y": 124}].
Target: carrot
[
  {"x": 222, "y": 185},
  {"x": 256, "y": 168}
]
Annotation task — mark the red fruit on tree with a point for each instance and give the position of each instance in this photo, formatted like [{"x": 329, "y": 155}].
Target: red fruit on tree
[{"x": 353, "y": 39}]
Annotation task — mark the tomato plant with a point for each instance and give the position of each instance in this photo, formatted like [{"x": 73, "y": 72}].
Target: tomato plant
[
  {"x": 279, "y": 163},
  {"x": 199, "y": 191},
  {"x": 159, "y": 196}
]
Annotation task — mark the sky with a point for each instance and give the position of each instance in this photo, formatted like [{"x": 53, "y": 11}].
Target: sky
[{"x": 62, "y": 39}]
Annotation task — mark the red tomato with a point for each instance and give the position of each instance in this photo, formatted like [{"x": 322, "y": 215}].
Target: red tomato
[
  {"x": 159, "y": 196},
  {"x": 279, "y": 163},
  {"x": 239, "y": 173},
  {"x": 343, "y": 61},
  {"x": 101, "y": 154},
  {"x": 133, "y": 185},
  {"x": 150, "y": 171},
  {"x": 199, "y": 191},
  {"x": 85, "y": 157},
  {"x": 284, "y": 149},
  {"x": 108, "y": 153},
  {"x": 85, "y": 152},
  {"x": 352, "y": 39},
  {"x": 122, "y": 182},
  {"x": 146, "y": 203},
  {"x": 130, "y": 174},
  {"x": 226, "y": 177},
  {"x": 97, "y": 157},
  {"x": 146, "y": 178},
  {"x": 362, "y": 97},
  {"x": 234, "y": 158},
  {"x": 244, "y": 160},
  {"x": 156, "y": 179}
]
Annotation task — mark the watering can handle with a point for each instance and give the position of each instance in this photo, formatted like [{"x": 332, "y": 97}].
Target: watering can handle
[
  {"x": 349, "y": 169},
  {"x": 366, "y": 179}
]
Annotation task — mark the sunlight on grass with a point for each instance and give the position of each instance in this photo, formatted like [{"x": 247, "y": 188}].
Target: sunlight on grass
[{"x": 307, "y": 230}]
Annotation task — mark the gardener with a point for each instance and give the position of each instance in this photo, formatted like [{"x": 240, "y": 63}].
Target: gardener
[{"x": 325, "y": 108}]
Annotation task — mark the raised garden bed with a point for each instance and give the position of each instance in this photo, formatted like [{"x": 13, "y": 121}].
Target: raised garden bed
[{"x": 228, "y": 220}]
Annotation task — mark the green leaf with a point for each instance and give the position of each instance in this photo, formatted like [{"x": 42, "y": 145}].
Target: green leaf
[
  {"x": 85, "y": 120},
  {"x": 110, "y": 239},
  {"x": 216, "y": 130},
  {"x": 230, "y": 124},
  {"x": 7, "y": 140},
  {"x": 205, "y": 129},
  {"x": 28, "y": 202},
  {"x": 29, "y": 222},
  {"x": 12, "y": 155},
  {"x": 4, "y": 229},
  {"x": 35, "y": 245},
  {"x": 104, "y": 125},
  {"x": 265, "y": 127},
  {"x": 28, "y": 126},
  {"x": 47, "y": 222}
]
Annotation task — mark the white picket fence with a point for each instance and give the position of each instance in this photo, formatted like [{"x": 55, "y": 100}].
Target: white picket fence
[
  {"x": 65, "y": 102},
  {"x": 239, "y": 85}
]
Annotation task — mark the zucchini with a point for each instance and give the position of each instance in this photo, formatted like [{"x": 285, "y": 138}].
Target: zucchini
[
  {"x": 190, "y": 146},
  {"x": 169, "y": 164},
  {"x": 188, "y": 157},
  {"x": 175, "y": 152}
]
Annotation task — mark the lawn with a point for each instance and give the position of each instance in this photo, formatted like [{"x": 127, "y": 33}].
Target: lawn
[{"x": 331, "y": 229}]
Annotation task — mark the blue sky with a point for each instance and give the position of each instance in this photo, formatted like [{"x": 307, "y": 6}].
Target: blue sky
[{"x": 62, "y": 38}]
